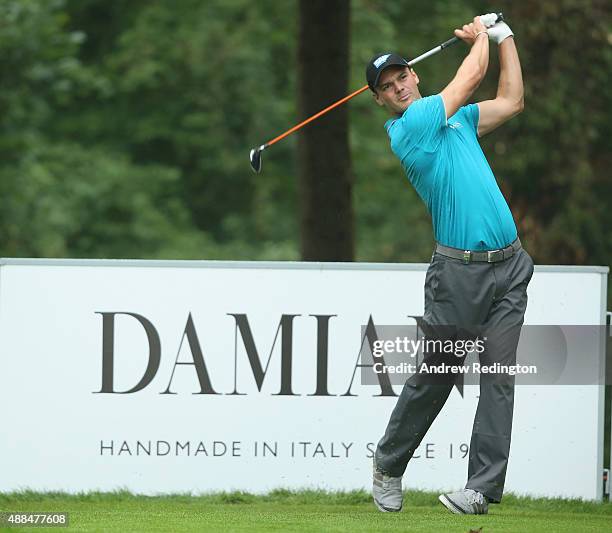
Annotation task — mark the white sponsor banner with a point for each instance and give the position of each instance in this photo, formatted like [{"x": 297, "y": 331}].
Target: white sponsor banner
[{"x": 164, "y": 377}]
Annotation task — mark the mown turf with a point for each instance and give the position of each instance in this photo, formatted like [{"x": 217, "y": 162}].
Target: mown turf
[{"x": 305, "y": 511}]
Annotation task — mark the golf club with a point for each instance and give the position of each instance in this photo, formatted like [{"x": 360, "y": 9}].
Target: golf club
[{"x": 255, "y": 154}]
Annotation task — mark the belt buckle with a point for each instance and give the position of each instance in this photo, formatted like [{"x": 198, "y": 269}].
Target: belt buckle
[
  {"x": 493, "y": 258},
  {"x": 467, "y": 256}
]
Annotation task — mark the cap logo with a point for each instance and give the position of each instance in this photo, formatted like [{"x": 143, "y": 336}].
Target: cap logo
[{"x": 378, "y": 62}]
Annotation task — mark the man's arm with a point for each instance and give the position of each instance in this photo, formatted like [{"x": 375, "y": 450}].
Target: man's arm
[
  {"x": 472, "y": 70},
  {"x": 509, "y": 100}
]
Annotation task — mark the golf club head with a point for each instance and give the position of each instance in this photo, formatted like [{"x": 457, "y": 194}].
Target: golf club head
[{"x": 255, "y": 158}]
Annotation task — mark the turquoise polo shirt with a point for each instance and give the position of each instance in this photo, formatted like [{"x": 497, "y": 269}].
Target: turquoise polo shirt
[{"x": 449, "y": 171}]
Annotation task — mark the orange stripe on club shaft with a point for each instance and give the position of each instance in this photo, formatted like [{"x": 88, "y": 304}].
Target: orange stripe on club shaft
[{"x": 322, "y": 112}]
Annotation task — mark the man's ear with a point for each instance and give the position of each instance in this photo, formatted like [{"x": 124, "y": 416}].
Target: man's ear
[
  {"x": 377, "y": 98},
  {"x": 416, "y": 78}
]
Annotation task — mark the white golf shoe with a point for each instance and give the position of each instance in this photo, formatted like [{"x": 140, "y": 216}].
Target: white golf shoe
[
  {"x": 387, "y": 492},
  {"x": 466, "y": 501}
]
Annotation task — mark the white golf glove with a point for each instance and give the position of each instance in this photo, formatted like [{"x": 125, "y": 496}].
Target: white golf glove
[
  {"x": 488, "y": 20},
  {"x": 497, "y": 31}
]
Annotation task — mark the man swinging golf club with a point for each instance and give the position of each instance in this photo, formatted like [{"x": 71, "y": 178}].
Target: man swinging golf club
[{"x": 479, "y": 272}]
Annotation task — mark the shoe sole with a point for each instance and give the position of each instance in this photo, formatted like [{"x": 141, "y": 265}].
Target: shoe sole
[{"x": 450, "y": 505}]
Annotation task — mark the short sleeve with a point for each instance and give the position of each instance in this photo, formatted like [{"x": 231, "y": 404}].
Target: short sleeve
[
  {"x": 471, "y": 112},
  {"x": 423, "y": 121}
]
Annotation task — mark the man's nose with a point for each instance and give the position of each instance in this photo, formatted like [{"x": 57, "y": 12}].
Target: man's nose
[{"x": 398, "y": 87}]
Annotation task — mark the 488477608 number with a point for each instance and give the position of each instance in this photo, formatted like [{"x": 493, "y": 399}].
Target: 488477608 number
[{"x": 28, "y": 519}]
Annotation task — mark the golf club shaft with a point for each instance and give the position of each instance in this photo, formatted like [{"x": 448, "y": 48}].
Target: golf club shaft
[
  {"x": 433, "y": 51},
  {"x": 359, "y": 91},
  {"x": 316, "y": 115}
]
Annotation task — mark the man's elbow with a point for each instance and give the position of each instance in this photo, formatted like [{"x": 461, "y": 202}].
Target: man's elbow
[
  {"x": 519, "y": 99},
  {"x": 514, "y": 106},
  {"x": 519, "y": 106}
]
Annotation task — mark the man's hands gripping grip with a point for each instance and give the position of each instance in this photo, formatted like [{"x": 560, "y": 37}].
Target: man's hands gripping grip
[
  {"x": 469, "y": 32},
  {"x": 498, "y": 31}
]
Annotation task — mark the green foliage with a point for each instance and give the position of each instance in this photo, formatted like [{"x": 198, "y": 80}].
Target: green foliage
[
  {"x": 189, "y": 89},
  {"x": 77, "y": 202}
]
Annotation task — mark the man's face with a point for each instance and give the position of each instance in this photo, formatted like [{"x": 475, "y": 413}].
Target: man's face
[{"x": 397, "y": 89}]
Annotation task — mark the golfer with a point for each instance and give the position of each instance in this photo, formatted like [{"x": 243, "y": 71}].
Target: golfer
[{"x": 478, "y": 276}]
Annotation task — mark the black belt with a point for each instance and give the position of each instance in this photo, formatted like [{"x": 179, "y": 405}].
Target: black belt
[{"x": 489, "y": 256}]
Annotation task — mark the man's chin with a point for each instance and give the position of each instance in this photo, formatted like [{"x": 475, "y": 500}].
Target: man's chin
[{"x": 403, "y": 106}]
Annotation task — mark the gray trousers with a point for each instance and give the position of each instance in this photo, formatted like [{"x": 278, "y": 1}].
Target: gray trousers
[{"x": 485, "y": 299}]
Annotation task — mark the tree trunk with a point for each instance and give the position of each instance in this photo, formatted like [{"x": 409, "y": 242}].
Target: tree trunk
[{"x": 325, "y": 173}]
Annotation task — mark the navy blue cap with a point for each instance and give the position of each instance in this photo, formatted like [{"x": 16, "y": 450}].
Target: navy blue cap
[{"x": 379, "y": 63}]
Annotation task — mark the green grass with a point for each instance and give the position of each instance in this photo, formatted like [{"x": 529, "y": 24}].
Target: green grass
[{"x": 317, "y": 511}]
